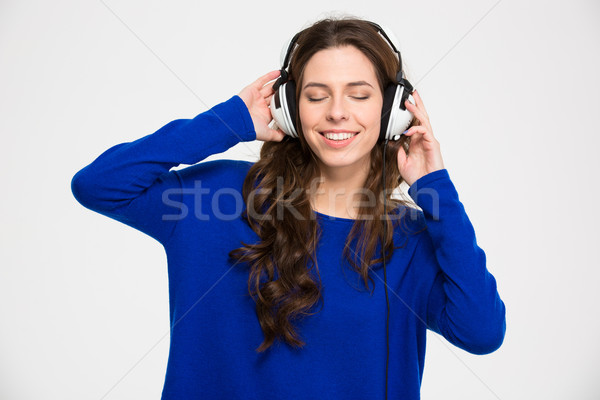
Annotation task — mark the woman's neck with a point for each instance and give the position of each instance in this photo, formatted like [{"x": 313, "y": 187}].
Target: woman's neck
[{"x": 338, "y": 190}]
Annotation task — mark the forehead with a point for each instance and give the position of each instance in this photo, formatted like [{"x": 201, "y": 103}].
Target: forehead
[{"x": 338, "y": 66}]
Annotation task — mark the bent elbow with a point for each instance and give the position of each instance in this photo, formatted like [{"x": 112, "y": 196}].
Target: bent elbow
[
  {"x": 80, "y": 188},
  {"x": 86, "y": 190},
  {"x": 482, "y": 335},
  {"x": 489, "y": 341},
  {"x": 489, "y": 335}
]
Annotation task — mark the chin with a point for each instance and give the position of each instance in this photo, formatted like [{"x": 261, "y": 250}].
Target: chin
[{"x": 344, "y": 160}]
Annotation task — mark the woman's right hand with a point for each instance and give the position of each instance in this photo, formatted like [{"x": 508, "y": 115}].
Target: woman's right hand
[{"x": 257, "y": 98}]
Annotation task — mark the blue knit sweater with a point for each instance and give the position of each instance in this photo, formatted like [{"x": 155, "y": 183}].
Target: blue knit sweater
[{"x": 438, "y": 280}]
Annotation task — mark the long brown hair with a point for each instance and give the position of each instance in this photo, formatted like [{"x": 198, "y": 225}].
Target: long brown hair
[{"x": 283, "y": 272}]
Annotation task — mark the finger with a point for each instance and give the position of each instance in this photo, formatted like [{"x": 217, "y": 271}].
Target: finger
[
  {"x": 417, "y": 112},
  {"x": 420, "y": 132},
  {"x": 263, "y": 80},
  {"x": 417, "y": 130},
  {"x": 401, "y": 157},
  {"x": 267, "y": 91},
  {"x": 276, "y": 135},
  {"x": 419, "y": 101}
]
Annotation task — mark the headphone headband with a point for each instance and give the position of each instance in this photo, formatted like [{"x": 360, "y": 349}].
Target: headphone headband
[
  {"x": 288, "y": 54},
  {"x": 293, "y": 41}
]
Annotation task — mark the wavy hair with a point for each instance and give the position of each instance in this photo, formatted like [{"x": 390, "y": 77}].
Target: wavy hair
[{"x": 284, "y": 276}]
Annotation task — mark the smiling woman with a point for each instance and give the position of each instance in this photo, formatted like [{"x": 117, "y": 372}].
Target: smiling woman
[{"x": 285, "y": 296}]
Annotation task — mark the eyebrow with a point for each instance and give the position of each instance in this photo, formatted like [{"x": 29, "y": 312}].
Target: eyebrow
[{"x": 322, "y": 85}]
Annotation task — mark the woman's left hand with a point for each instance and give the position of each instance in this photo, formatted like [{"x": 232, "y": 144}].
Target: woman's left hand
[{"x": 424, "y": 150}]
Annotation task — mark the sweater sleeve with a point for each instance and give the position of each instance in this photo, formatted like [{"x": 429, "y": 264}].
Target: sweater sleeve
[
  {"x": 132, "y": 182},
  {"x": 463, "y": 305}
]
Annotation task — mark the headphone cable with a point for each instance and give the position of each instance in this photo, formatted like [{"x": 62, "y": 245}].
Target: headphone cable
[{"x": 387, "y": 301}]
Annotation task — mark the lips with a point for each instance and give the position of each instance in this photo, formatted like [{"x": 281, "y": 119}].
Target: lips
[
  {"x": 338, "y": 138},
  {"x": 338, "y": 134}
]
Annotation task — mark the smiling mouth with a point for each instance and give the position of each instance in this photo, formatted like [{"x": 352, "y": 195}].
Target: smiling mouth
[{"x": 338, "y": 136}]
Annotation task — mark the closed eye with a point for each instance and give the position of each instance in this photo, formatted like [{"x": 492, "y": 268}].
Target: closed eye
[{"x": 312, "y": 99}]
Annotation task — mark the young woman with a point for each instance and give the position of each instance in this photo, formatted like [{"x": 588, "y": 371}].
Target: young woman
[{"x": 300, "y": 276}]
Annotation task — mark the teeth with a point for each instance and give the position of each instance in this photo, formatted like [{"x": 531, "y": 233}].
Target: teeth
[{"x": 339, "y": 136}]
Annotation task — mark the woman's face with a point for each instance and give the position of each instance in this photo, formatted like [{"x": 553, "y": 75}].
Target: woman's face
[{"x": 340, "y": 107}]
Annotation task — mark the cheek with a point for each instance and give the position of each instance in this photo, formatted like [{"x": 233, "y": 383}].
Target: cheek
[
  {"x": 370, "y": 118},
  {"x": 305, "y": 124},
  {"x": 302, "y": 114},
  {"x": 306, "y": 112},
  {"x": 309, "y": 117}
]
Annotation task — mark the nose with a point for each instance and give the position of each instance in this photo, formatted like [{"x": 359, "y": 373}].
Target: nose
[{"x": 337, "y": 109}]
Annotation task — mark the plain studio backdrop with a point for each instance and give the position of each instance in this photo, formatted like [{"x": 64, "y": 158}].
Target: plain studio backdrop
[{"x": 511, "y": 88}]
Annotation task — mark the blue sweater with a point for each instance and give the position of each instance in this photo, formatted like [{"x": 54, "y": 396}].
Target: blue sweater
[{"x": 437, "y": 281}]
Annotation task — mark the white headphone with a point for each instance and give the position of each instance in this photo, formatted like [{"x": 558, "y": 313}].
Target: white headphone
[{"x": 395, "y": 118}]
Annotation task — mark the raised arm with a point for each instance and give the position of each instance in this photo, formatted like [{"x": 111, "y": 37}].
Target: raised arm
[
  {"x": 464, "y": 305},
  {"x": 128, "y": 181},
  {"x": 132, "y": 182}
]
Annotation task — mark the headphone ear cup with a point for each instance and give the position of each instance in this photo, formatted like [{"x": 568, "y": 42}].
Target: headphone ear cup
[
  {"x": 398, "y": 118},
  {"x": 388, "y": 100},
  {"x": 280, "y": 110},
  {"x": 283, "y": 108},
  {"x": 290, "y": 95}
]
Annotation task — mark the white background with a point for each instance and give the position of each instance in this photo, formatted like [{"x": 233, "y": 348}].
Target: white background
[{"x": 511, "y": 88}]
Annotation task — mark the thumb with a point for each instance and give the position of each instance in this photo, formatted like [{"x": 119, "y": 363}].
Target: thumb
[
  {"x": 401, "y": 158},
  {"x": 268, "y": 134},
  {"x": 276, "y": 135}
]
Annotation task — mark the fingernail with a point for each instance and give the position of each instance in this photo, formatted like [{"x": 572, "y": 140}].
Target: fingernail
[{"x": 405, "y": 132}]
